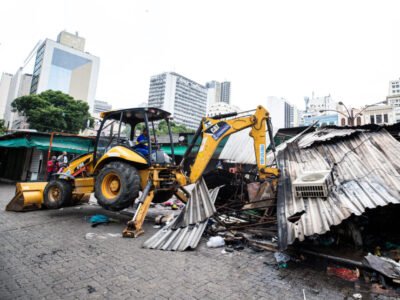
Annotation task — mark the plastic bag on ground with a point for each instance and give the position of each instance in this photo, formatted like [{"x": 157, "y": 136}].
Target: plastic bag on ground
[{"x": 215, "y": 242}]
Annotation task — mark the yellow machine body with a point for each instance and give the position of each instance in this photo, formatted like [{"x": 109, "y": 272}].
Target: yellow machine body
[{"x": 154, "y": 177}]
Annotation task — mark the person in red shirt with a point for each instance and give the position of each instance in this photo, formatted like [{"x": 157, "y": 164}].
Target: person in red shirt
[{"x": 52, "y": 167}]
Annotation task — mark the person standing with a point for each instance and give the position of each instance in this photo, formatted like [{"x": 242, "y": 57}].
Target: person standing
[
  {"x": 63, "y": 159},
  {"x": 52, "y": 167}
]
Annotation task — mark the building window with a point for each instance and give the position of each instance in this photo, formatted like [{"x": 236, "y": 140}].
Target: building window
[
  {"x": 385, "y": 118},
  {"x": 358, "y": 121},
  {"x": 343, "y": 121},
  {"x": 378, "y": 119},
  {"x": 372, "y": 119}
]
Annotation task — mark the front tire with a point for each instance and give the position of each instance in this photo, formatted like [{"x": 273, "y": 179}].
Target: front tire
[
  {"x": 117, "y": 186},
  {"x": 58, "y": 193}
]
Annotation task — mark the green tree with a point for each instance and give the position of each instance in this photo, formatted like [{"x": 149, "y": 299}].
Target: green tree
[
  {"x": 53, "y": 111},
  {"x": 175, "y": 128},
  {"x": 2, "y": 127}
]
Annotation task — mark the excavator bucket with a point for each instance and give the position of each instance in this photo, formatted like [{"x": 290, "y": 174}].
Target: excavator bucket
[{"x": 28, "y": 196}]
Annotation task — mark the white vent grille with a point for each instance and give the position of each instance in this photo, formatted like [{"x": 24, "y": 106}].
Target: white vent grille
[{"x": 312, "y": 184}]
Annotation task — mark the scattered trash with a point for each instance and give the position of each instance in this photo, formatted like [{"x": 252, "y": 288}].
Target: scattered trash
[
  {"x": 304, "y": 295},
  {"x": 357, "y": 296},
  {"x": 162, "y": 219},
  {"x": 100, "y": 219},
  {"x": 344, "y": 273},
  {"x": 228, "y": 249},
  {"x": 90, "y": 289},
  {"x": 157, "y": 226},
  {"x": 281, "y": 259},
  {"x": 383, "y": 265},
  {"x": 215, "y": 242},
  {"x": 114, "y": 234},
  {"x": 92, "y": 235}
]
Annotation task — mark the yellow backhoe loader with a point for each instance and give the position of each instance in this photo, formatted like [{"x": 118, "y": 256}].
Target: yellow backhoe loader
[{"x": 119, "y": 169}]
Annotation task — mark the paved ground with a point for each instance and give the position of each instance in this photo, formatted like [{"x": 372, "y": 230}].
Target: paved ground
[{"x": 56, "y": 254}]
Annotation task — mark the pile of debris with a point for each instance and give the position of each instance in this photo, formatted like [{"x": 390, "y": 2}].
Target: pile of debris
[{"x": 356, "y": 173}]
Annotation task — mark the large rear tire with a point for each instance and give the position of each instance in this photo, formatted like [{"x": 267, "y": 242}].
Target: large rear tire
[
  {"x": 117, "y": 186},
  {"x": 57, "y": 193}
]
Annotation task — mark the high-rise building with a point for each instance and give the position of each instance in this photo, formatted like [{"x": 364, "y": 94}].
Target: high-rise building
[
  {"x": 5, "y": 83},
  {"x": 63, "y": 65},
  {"x": 226, "y": 92},
  {"x": 213, "y": 92},
  {"x": 19, "y": 86},
  {"x": 218, "y": 92},
  {"x": 185, "y": 99},
  {"x": 282, "y": 113},
  {"x": 101, "y": 106}
]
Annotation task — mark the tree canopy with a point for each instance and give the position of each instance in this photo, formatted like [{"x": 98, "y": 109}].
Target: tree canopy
[
  {"x": 175, "y": 128},
  {"x": 2, "y": 127},
  {"x": 162, "y": 128},
  {"x": 53, "y": 111}
]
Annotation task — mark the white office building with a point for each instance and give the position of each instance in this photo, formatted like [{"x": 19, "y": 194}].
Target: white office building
[
  {"x": 101, "y": 106},
  {"x": 20, "y": 86},
  {"x": 380, "y": 114},
  {"x": 282, "y": 113},
  {"x": 5, "y": 83},
  {"x": 185, "y": 99},
  {"x": 213, "y": 93},
  {"x": 63, "y": 65},
  {"x": 316, "y": 104},
  {"x": 218, "y": 92},
  {"x": 226, "y": 92}
]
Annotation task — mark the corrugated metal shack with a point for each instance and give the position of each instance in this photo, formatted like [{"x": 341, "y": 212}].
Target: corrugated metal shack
[
  {"x": 23, "y": 154},
  {"x": 365, "y": 165}
]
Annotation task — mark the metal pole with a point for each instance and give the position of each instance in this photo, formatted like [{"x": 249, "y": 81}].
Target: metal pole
[
  {"x": 50, "y": 145},
  {"x": 171, "y": 141},
  {"x": 189, "y": 149},
  {"x": 146, "y": 120}
]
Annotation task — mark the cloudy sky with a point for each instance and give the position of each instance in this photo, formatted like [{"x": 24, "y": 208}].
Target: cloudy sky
[{"x": 349, "y": 49}]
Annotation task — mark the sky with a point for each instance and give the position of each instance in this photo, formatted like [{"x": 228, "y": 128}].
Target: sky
[{"x": 349, "y": 49}]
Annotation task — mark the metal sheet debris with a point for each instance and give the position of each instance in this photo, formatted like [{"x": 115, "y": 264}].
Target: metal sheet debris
[
  {"x": 185, "y": 231},
  {"x": 366, "y": 170}
]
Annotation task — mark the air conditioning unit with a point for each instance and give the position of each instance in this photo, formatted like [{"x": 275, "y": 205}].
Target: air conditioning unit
[{"x": 313, "y": 184}]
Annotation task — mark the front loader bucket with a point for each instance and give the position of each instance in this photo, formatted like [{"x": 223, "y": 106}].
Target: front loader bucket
[{"x": 28, "y": 196}]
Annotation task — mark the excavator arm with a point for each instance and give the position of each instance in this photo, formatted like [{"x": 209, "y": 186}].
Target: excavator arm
[{"x": 214, "y": 130}]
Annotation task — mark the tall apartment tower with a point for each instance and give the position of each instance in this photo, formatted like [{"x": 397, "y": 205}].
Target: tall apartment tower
[
  {"x": 284, "y": 114},
  {"x": 5, "y": 82},
  {"x": 63, "y": 65},
  {"x": 226, "y": 92},
  {"x": 185, "y": 99},
  {"x": 213, "y": 92},
  {"x": 19, "y": 86}
]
